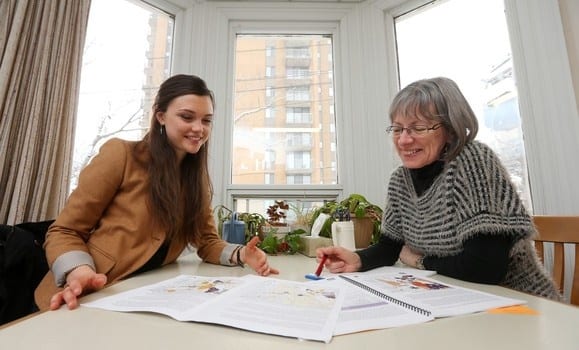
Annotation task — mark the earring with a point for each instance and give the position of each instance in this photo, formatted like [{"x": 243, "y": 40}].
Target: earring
[{"x": 162, "y": 127}]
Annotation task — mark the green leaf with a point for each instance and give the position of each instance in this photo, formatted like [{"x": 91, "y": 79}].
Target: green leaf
[{"x": 269, "y": 244}]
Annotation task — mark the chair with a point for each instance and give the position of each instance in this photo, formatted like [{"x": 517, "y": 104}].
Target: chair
[{"x": 560, "y": 230}]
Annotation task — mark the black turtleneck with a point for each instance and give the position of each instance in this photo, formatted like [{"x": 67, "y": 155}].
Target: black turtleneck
[{"x": 423, "y": 178}]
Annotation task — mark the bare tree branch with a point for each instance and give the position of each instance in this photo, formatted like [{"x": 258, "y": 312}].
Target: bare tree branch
[{"x": 101, "y": 135}]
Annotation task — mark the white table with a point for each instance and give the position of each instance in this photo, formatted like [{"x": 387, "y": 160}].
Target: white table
[{"x": 556, "y": 326}]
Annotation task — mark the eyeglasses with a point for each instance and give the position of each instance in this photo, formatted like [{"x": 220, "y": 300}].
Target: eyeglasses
[{"x": 414, "y": 130}]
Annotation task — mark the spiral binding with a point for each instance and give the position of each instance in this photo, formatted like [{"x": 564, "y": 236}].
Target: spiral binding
[{"x": 404, "y": 304}]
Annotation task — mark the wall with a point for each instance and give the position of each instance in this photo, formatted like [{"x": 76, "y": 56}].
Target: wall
[{"x": 570, "y": 18}]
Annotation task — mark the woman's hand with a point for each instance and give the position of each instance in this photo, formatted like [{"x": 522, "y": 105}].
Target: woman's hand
[
  {"x": 80, "y": 281},
  {"x": 409, "y": 257},
  {"x": 256, "y": 258},
  {"x": 339, "y": 259}
]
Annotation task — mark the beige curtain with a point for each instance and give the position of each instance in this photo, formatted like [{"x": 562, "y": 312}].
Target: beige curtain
[{"x": 41, "y": 44}]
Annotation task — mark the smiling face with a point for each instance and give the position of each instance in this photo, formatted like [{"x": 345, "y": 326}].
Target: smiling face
[
  {"x": 417, "y": 151},
  {"x": 187, "y": 123}
]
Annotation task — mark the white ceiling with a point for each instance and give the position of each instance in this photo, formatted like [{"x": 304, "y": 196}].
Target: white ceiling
[{"x": 292, "y": 0}]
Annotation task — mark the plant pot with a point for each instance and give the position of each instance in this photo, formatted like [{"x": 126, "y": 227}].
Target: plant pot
[
  {"x": 278, "y": 231},
  {"x": 309, "y": 244},
  {"x": 363, "y": 229}
]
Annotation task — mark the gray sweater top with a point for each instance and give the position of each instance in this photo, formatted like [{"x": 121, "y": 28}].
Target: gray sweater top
[{"x": 472, "y": 196}]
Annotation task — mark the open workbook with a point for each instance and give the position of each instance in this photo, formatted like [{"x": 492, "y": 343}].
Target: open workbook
[
  {"x": 426, "y": 296},
  {"x": 421, "y": 297},
  {"x": 260, "y": 304}
]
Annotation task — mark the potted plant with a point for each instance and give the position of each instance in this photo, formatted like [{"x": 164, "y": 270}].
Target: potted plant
[
  {"x": 287, "y": 244},
  {"x": 276, "y": 213},
  {"x": 303, "y": 216},
  {"x": 254, "y": 222},
  {"x": 365, "y": 215}
]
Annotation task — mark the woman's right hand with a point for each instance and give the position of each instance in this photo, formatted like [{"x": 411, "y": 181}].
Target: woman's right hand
[
  {"x": 80, "y": 281},
  {"x": 339, "y": 259}
]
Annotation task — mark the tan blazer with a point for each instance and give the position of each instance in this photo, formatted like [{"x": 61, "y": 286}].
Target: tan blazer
[{"x": 107, "y": 216}]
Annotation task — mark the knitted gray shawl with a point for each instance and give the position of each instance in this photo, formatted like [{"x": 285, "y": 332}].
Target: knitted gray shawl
[{"x": 472, "y": 196}]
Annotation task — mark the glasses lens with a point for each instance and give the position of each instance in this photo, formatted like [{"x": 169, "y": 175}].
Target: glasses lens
[
  {"x": 418, "y": 129},
  {"x": 396, "y": 130}
]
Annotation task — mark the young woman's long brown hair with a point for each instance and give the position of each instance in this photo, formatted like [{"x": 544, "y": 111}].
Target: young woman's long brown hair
[{"x": 179, "y": 193}]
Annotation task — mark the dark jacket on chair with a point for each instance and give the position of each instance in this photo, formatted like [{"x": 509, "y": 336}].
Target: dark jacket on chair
[{"x": 22, "y": 266}]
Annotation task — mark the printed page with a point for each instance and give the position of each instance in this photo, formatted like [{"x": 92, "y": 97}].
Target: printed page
[
  {"x": 178, "y": 297},
  {"x": 385, "y": 270},
  {"x": 399, "y": 268},
  {"x": 362, "y": 311},
  {"x": 441, "y": 299},
  {"x": 294, "y": 309},
  {"x": 260, "y": 304}
]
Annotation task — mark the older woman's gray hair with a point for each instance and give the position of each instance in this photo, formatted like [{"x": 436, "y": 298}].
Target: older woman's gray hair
[{"x": 439, "y": 100}]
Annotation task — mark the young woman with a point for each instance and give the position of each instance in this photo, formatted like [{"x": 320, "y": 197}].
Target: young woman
[
  {"x": 138, "y": 204},
  {"x": 451, "y": 206}
]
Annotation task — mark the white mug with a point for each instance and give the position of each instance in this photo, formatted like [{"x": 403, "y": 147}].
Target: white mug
[{"x": 343, "y": 234}]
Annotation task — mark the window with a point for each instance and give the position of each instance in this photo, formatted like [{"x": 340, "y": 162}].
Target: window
[
  {"x": 299, "y": 139},
  {"x": 292, "y": 106},
  {"x": 298, "y": 115},
  {"x": 281, "y": 144},
  {"x": 269, "y": 160},
  {"x": 269, "y": 179},
  {"x": 127, "y": 55},
  {"x": 429, "y": 46},
  {"x": 298, "y": 160},
  {"x": 298, "y": 179},
  {"x": 298, "y": 52},
  {"x": 297, "y": 73},
  {"x": 298, "y": 93}
]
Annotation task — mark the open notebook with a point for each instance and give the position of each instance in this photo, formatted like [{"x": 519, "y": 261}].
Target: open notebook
[
  {"x": 373, "y": 298},
  {"x": 428, "y": 296},
  {"x": 259, "y": 304}
]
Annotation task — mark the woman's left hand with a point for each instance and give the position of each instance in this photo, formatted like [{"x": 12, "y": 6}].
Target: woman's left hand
[
  {"x": 256, "y": 258},
  {"x": 409, "y": 256}
]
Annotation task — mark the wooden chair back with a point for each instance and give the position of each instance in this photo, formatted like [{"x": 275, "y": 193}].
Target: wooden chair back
[{"x": 560, "y": 230}]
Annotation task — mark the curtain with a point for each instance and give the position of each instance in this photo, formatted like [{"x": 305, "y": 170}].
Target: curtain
[{"x": 41, "y": 45}]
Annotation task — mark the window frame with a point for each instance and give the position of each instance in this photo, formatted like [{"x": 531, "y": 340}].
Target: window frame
[
  {"x": 164, "y": 7},
  {"x": 544, "y": 83},
  {"x": 258, "y": 191}
]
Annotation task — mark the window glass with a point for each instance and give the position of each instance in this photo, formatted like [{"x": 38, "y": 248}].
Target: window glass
[
  {"x": 127, "y": 55},
  {"x": 454, "y": 39},
  {"x": 279, "y": 81}
]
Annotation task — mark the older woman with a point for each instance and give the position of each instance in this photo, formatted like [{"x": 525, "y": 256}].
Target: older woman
[{"x": 451, "y": 206}]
